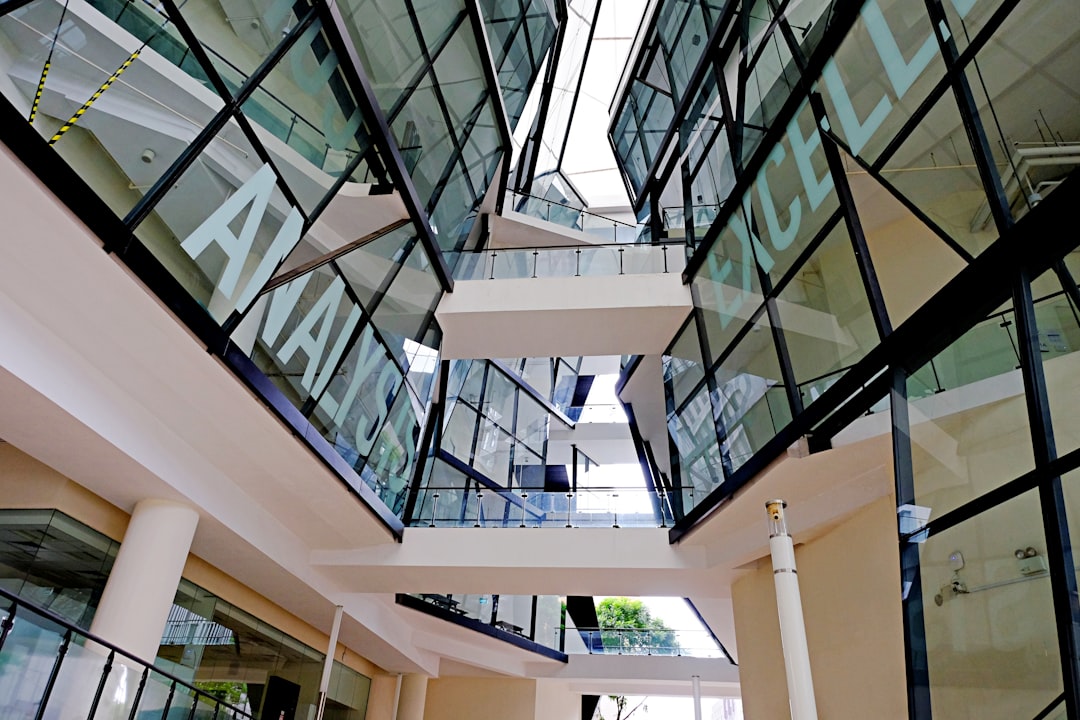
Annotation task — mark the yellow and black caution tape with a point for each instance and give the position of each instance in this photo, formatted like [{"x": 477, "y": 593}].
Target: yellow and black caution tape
[
  {"x": 48, "y": 62},
  {"x": 40, "y": 89},
  {"x": 93, "y": 98}
]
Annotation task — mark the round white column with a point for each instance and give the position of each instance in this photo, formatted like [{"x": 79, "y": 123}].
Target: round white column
[
  {"x": 142, "y": 585},
  {"x": 413, "y": 697}
]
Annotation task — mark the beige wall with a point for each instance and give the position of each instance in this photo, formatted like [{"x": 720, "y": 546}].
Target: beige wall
[
  {"x": 456, "y": 698},
  {"x": 850, "y": 583}
]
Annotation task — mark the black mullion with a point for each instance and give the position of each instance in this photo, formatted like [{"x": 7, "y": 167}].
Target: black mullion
[
  {"x": 531, "y": 150},
  {"x": 494, "y": 91},
  {"x": 1030, "y": 480},
  {"x": 1059, "y": 553},
  {"x": 430, "y": 439},
  {"x": 196, "y": 48},
  {"x": 834, "y": 35},
  {"x": 1068, "y": 285},
  {"x": 780, "y": 346},
  {"x": 854, "y": 226},
  {"x": 479, "y": 410},
  {"x": 425, "y": 67},
  {"x": 915, "y": 654},
  {"x": 261, "y": 151},
  {"x": 459, "y": 158},
  {"x": 230, "y": 110},
  {"x": 356, "y": 77},
  {"x": 681, "y": 108},
  {"x": 367, "y": 319},
  {"x": 876, "y": 174},
  {"x": 407, "y": 249},
  {"x": 369, "y": 155},
  {"x": 577, "y": 91},
  {"x": 436, "y": 88},
  {"x": 967, "y": 298},
  {"x": 981, "y": 38},
  {"x": 969, "y": 112}
]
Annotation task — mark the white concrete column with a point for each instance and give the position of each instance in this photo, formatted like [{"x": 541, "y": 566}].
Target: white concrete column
[
  {"x": 413, "y": 697},
  {"x": 695, "y": 680},
  {"x": 142, "y": 585}
]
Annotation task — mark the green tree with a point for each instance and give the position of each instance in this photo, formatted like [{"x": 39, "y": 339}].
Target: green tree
[
  {"x": 627, "y": 625},
  {"x": 228, "y": 692}
]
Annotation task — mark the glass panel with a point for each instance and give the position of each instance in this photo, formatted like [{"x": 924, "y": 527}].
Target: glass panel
[
  {"x": 750, "y": 404},
  {"x": 969, "y": 427},
  {"x": 371, "y": 266},
  {"x": 693, "y": 437},
  {"x": 911, "y": 261},
  {"x": 303, "y": 327},
  {"x": 883, "y": 70},
  {"x": 241, "y": 36},
  {"x": 405, "y": 312},
  {"x": 935, "y": 169},
  {"x": 130, "y": 133},
  {"x": 827, "y": 321},
  {"x": 224, "y": 226},
  {"x": 683, "y": 369},
  {"x": 77, "y": 681},
  {"x": 1058, "y": 325},
  {"x": 984, "y": 609},
  {"x": 27, "y": 660},
  {"x": 306, "y": 104},
  {"x": 388, "y": 45},
  {"x": 792, "y": 197},
  {"x": 1026, "y": 89},
  {"x": 358, "y": 399},
  {"x": 390, "y": 466},
  {"x": 727, "y": 288}
]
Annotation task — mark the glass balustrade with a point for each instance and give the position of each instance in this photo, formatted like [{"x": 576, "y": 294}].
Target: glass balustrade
[
  {"x": 650, "y": 641},
  {"x": 586, "y": 507},
  {"x": 571, "y": 261},
  {"x": 575, "y": 218}
]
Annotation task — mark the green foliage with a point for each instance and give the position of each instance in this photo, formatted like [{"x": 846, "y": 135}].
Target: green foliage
[
  {"x": 646, "y": 634},
  {"x": 228, "y": 692}
]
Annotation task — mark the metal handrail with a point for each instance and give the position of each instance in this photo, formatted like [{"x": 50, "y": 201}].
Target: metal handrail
[{"x": 71, "y": 629}]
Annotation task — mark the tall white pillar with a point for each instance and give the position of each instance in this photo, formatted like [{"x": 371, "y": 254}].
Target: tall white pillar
[
  {"x": 328, "y": 665},
  {"x": 696, "y": 681},
  {"x": 413, "y": 697},
  {"x": 789, "y": 606},
  {"x": 142, "y": 585}
]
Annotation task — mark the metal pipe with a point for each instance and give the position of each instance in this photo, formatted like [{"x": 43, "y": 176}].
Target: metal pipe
[
  {"x": 789, "y": 606},
  {"x": 696, "y": 680}
]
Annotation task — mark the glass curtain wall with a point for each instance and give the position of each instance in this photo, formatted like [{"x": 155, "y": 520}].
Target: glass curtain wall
[
  {"x": 807, "y": 264},
  {"x": 884, "y": 175},
  {"x": 224, "y": 154}
]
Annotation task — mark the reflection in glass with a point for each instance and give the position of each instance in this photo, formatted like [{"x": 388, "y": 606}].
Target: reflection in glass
[
  {"x": 991, "y": 639},
  {"x": 969, "y": 426}
]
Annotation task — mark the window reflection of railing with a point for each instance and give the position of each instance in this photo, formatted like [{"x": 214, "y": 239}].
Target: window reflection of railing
[
  {"x": 646, "y": 641},
  {"x": 614, "y": 507},
  {"x": 571, "y": 261},
  {"x": 575, "y": 218}
]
